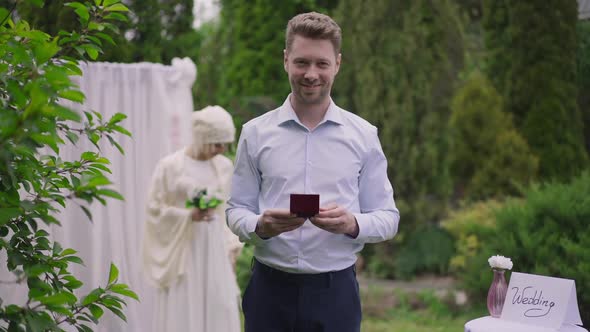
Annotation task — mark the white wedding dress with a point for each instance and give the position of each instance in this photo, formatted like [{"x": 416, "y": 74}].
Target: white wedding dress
[{"x": 189, "y": 261}]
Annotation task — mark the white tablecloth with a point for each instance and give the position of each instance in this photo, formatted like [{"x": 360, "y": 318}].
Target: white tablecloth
[{"x": 491, "y": 324}]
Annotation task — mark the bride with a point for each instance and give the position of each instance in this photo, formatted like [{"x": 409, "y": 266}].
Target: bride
[{"x": 187, "y": 251}]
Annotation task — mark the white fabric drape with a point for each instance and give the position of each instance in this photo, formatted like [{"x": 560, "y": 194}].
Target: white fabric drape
[{"x": 158, "y": 102}]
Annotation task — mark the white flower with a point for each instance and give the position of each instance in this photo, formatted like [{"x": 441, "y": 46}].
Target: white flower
[{"x": 500, "y": 262}]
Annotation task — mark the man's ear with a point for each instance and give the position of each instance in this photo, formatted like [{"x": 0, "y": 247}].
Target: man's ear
[
  {"x": 338, "y": 61},
  {"x": 285, "y": 60}
]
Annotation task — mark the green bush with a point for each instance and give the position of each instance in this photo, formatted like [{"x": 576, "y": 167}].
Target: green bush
[
  {"x": 488, "y": 156},
  {"x": 244, "y": 267},
  {"x": 427, "y": 250},
  {"x": 547, "y": 233},
  {"x": 471, "y": 225}
]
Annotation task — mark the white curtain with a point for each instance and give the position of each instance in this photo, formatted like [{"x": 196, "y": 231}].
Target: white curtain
[{"x": 157, "y": 100}]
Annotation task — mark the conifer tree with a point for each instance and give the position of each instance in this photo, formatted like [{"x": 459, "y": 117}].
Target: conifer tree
[
  {"x": 533, "y": 46},
  {"x": 399, "y": 62}
]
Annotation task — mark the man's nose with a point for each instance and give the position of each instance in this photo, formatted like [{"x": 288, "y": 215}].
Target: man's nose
[{"x": 311, "y": 73}]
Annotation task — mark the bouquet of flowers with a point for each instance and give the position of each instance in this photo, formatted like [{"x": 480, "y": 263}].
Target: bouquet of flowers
[{"x": 202, "y": 200}]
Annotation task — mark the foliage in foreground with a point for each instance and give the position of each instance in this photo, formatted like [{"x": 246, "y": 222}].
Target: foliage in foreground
[{"x": 35, "y": 183}]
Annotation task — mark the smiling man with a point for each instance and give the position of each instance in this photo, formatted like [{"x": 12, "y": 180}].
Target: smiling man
[{"x": 303, "y": 275}]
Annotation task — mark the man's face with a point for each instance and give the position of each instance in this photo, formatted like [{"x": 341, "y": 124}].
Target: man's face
[{"x": 312, "y": 66}]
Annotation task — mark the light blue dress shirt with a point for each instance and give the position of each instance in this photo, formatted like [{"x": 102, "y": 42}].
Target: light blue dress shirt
[{"x": 341, "y": 160}]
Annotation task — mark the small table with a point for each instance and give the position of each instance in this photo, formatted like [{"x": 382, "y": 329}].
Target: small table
[{"x": 491, "y": 324}]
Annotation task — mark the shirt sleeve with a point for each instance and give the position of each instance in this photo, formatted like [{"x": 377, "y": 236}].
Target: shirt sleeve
[
  {"x": 379, "y": 217},
  {"x": 243, "y": 210}
]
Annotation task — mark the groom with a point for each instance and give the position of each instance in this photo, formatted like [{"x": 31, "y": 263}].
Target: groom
[{"x": 303, "y": 276}]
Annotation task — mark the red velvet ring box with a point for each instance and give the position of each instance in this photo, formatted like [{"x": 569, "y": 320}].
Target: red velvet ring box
[{"x": 305, "y": 205}]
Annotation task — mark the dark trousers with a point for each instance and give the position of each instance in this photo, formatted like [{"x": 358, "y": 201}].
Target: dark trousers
[{"x": 277, "y": 301}]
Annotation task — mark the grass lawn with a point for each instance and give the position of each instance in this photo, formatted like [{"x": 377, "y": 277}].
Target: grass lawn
[
  {"x": 418, "y": 321},
  {"x": 406, "y": 309}
]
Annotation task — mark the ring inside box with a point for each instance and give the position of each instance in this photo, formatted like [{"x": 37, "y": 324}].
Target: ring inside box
[{"x": 305, "y": 205}]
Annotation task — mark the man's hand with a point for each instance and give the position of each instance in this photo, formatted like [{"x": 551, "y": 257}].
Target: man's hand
[
  {"x": 199, "y": 215},
  {"x": 276, "y": 221},
  {"x": 336, "y": 219}
]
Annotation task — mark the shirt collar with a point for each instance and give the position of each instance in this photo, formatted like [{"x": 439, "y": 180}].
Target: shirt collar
[{"x": 287, "y": 113}]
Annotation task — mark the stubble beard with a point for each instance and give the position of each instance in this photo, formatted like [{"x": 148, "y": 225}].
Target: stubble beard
[{"x": 307, "y": 99}]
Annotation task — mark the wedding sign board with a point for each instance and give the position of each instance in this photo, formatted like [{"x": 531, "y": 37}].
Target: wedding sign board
[{"x": 542, "y": 301}]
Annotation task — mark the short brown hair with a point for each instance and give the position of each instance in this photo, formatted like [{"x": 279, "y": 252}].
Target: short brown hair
[{"x": 315, "y": 26}]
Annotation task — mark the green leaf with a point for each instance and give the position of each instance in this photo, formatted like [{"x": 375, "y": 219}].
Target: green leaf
[
  {"x": 73, "y": 283},
  {"x": 86, "y": 211},
  {"x": 117, "y": 145},
  {"x": 73, "y": 69},
  {"x": 118, "y": 7},
  {"x": 81, "y": 10},
  {"x": 116, "y": 16},
  {"x": 36, "y": 270},
  {"x": 126, "y": 292},
  {"x": 113, "y": 274},
  {"x": 110, "y": 193},
  {"x": 107, "y": 3},
  {"x": 93, "y": 296},
  {"x": 48, "y": 140},
  {"x": 72, "y": 137},
  {"x": 73, "y": 95},
  {"x": 83, "y": 328},
  {"x": 89, "y": 155},
  {"x": 121, "y": 130},
  {"x": 74, "y": 259},
  {"x": 118, "y": 117},
  {"x": 101, "y": 167},
  {"x": 38, "y": 322},
  {"x": 66, "y": 113},
  {"x": 106, "y": 37},
  {"x": 118, "y": 313},
  {"x": 91, "y": 50},
  {"x": 68, "y": 251},
  {"x": 96, "y": 311},
  {"x": 6, "y": 214},
  {"x": 75, "y": 5},
  {"x": 57, "y": 248},
  {"x": 95, "y": 26},
  {"x": 41, "y": 233},
  {"x": 98, "y": 181},
  {"x": 60, "y": 298},
  {"x": 45, "y": 51}
]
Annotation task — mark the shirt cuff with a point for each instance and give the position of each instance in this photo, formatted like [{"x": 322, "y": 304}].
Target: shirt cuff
[
  {"x": 253, "y": 238},
  {"x": 363, "y": 221}
]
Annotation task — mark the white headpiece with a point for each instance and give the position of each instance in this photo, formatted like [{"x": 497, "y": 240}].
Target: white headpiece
[{"x": 212, "y": 124}]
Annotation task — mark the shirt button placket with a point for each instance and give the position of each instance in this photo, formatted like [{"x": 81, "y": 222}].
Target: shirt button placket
[{"x": 306, "y": 183}]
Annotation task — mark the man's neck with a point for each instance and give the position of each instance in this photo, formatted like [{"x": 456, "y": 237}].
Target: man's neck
[{"x": 310, "y": 115}]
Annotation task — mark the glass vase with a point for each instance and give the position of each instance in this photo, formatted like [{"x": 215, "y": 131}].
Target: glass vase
[{"x": 497, "y": 293}]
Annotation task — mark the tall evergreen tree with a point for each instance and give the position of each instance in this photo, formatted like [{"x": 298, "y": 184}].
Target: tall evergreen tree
[
  {"x": 584, "y": 77},
  {"x": 534, "y": 45},
  {"x": 400, "y": 60},
  {"x": 497, "y": 42}
]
